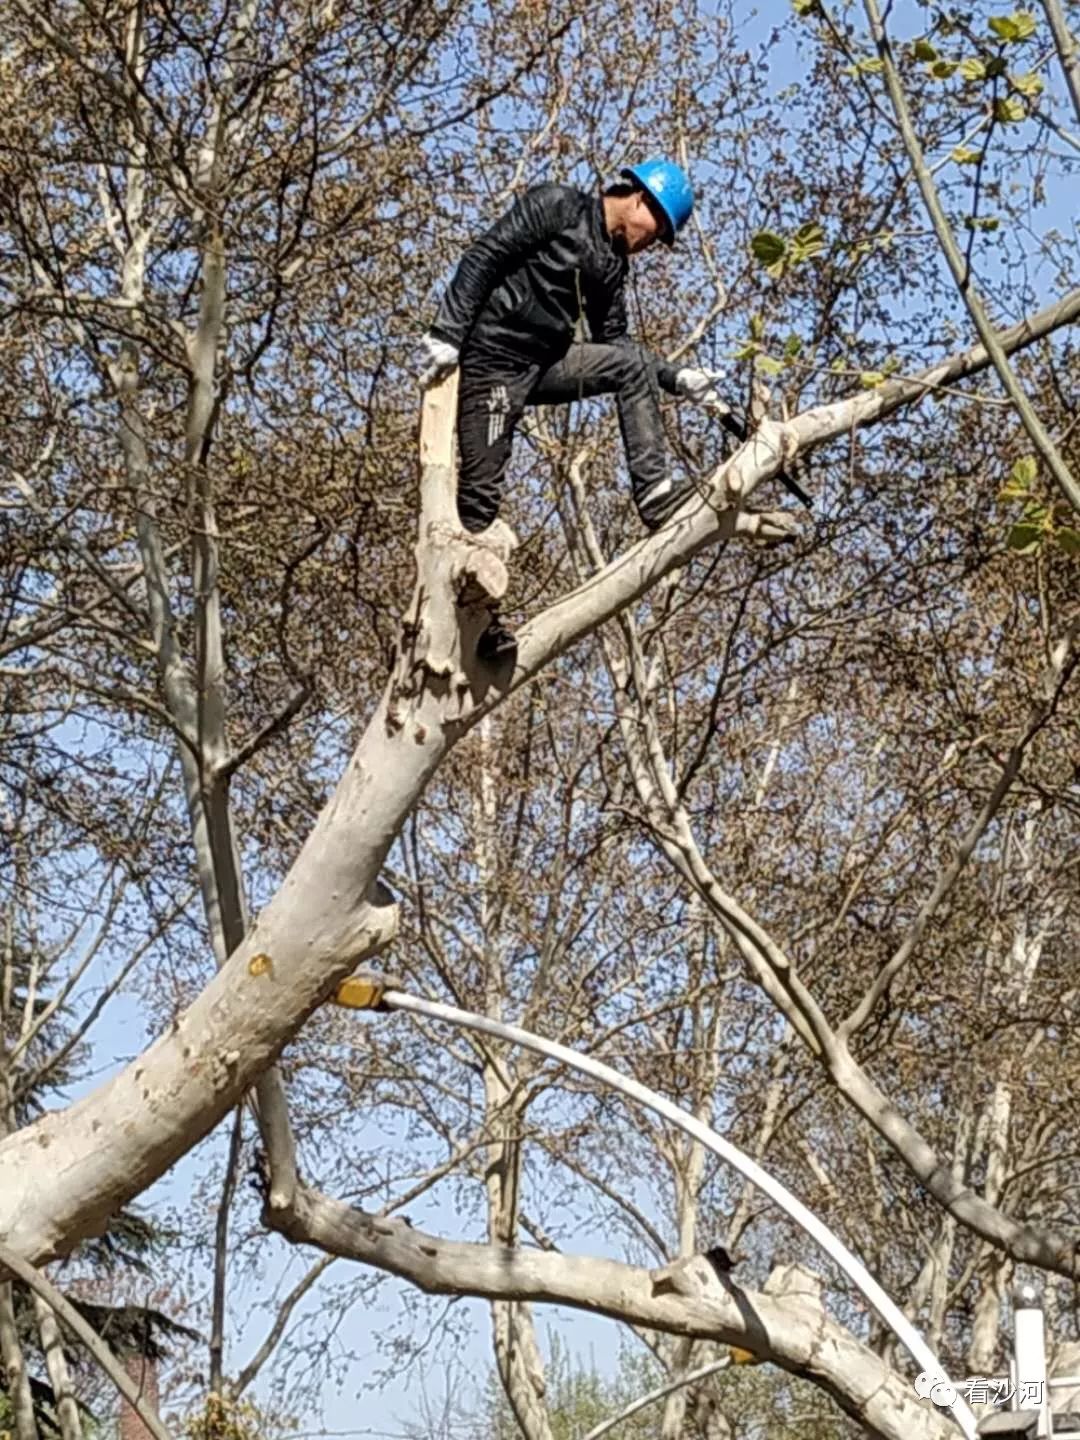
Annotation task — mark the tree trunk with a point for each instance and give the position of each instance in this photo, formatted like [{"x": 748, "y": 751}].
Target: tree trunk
[
  {"x": 16, "y": 1378},
  {"x": 518, "y": 1360},
  {"x": 67, "y": 1409}
]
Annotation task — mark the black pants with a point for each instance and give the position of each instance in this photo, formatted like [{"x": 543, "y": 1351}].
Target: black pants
[{"x": 492, "y": 396}]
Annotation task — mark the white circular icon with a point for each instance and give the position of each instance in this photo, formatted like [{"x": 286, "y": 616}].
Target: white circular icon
[{"x": 932, "y": 1386}]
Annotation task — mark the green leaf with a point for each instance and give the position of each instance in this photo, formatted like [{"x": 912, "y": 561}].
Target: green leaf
[
  {"x": 1068, "y": 539},
  {"x": 1009, "y": 111},
  {"x": 1024, "y": 471},
  {"x": 981, "y": 222},
  {"x": 777, "y": 270},
  {"x": 972, "y": 69},
  {"x": 923, "y": 50},
  {"x": 871, "y": 379},
  {"x": 965, "y": 156},
  {"x": 1020, "y": 480},
  {"x": 1024, "y": 23},
  {"x": 942, "y": 69},
  {"x": 1029, "y": 84},
  {"x": 747, "y": 351},
  {"x": 872, "y": 66},
  {"x": 808, "y": 234},
  {"x": 804, "y": 7},
  {"x": 768, "y": 365},
  {"x": 1024, "y": 538},
  {"x": 808, "y": 240},
  {"x": 757, "y": 327},
  {"x": 1010, "y": 29},
  {"x": 995, "y": 67},
  {"x": 768, "y": 247},
  {"x": 793, "y": 346}
]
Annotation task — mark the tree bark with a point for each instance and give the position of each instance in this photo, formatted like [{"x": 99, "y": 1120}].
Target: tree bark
[
  {"x": 67, "y": 1409},
  {"x": 1067, "y": 49},
  {"x": 16, "y": 1378}
]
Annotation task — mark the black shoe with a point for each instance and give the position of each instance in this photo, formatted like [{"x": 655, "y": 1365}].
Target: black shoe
[
  {"x": 497, "y": 644},
  {"x": 661, "y": 500}
]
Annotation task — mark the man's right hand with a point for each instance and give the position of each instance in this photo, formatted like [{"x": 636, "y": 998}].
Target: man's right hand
[
  {"x": 438, "y": 358},
  {"x": 701, "y": 386}
]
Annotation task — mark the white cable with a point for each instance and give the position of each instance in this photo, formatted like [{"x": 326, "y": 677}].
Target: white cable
[
  {"x": 654, "y": 1395},
  {"x": 833, "y": 1246}
]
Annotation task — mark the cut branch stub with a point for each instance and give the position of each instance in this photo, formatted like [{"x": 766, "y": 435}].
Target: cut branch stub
[{"x": 460, "y": 578}]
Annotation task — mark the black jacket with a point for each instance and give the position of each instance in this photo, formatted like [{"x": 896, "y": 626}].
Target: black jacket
[{"x": 520, "y": 289}]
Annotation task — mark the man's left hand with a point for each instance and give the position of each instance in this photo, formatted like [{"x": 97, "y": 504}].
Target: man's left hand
[{"x": 438, "y": 358}]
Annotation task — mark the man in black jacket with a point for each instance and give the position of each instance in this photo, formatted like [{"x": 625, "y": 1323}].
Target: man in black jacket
[{"x": 553, "y": 266}]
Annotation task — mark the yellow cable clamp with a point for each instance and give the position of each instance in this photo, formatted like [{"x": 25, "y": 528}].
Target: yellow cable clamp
[{"x": 360, "y": 992}]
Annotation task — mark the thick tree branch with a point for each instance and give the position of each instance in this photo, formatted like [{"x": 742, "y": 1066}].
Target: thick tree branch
[
  {"x": 784, "y": 1322},
  {"x": 709, "y": 518}
]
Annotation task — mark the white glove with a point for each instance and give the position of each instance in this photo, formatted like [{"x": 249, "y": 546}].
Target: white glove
[
  {"x": 700, "y": 387},
  {"x": 438, "y": 358}
]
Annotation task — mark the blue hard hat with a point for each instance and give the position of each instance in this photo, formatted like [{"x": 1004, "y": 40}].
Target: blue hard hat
[{"x": 670, "y": 188}]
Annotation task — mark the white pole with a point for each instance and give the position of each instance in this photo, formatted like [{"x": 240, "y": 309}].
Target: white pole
[
  {"x": 833, "y": 1246},
  {"x": 1029, "y": 1349}
]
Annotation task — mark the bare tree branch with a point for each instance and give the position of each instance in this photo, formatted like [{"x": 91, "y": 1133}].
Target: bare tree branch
[
  {"x": 1040, "y": 436},
  {"x": 98, "y": 1350}
]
